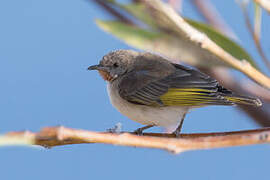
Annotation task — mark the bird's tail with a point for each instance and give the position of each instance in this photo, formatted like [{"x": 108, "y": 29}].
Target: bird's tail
[{"x": 245, "y": 100}]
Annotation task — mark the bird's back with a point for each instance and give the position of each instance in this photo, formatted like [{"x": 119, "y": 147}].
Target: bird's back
[{"x": 155, "y": 81}]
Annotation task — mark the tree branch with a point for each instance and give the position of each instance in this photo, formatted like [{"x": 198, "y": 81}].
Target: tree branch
[
  {"x": 264, "y": 4},
  {"x": 212, "y": 16},
  {"x": 176, "y": 4},
  {"x": 113, "y": 12},
  {"x": 57, "y": 136},
  {"x": 254, "y": 36}
]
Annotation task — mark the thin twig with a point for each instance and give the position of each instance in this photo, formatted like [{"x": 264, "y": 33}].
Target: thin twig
[
  {"x": 167, "y": 15},
  {"x": 255, "y": 90},
  {"x": 176, "y": 4},
  {"x": 57, "y": 136},
  {"x": 212, "y": 16},
  {"x": 257, "y": 20},
  {"x": 105, "y": 5},
  {"x": 255, "y": 37},
  {"x": 264, "y": 4}
]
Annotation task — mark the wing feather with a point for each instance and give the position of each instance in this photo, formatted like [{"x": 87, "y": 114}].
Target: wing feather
[{"x": 174, "y": 85}]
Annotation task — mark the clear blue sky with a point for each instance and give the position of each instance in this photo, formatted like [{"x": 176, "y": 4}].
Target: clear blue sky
[{"x": 45, "y": 48}]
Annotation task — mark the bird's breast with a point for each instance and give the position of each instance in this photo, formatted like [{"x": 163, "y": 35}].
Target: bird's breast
[{"x": 159, "y": 116}]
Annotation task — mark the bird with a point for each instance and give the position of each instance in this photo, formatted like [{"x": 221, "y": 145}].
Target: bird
[{"x": 153, "y": 91}]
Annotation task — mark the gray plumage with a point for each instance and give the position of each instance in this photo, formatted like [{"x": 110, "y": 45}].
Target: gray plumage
[{"x": 144, "y": 77}]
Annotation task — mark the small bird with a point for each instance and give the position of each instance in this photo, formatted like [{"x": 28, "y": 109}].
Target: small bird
[{"x": 153, "y": 91}]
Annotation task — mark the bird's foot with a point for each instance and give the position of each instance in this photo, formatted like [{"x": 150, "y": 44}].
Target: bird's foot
[
  {"x": 177, "y": 134},
  {"x": 139, "y": 131},
  {"x": 178, "y": 129}
]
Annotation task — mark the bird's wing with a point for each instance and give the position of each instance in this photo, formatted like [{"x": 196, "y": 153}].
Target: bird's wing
[
  {"x": 194, "y": 89},
  {"x": 142, "y": 84},
  {"x": 183, "y": 86}
]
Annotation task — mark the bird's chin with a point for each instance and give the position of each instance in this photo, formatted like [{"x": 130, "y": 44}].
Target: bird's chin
[{"x": 106, "y": 76}]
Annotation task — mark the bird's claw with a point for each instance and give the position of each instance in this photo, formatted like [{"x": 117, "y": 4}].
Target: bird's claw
[
  {"x": 138, "y": 131},
  {"x": 177, "y": 134}
]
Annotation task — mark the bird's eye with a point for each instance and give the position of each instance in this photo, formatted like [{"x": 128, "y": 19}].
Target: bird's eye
[{"x": 115, "y": 65}]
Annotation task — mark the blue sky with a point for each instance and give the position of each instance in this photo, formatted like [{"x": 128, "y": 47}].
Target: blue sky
[{"x": 45, "y": 48}]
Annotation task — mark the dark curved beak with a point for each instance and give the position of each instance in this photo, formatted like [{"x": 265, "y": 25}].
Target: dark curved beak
[
  {"x": 94, "y": 67},
  {"x": 98, "y": 67}
]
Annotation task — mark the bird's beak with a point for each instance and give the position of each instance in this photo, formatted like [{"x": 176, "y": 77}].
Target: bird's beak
[
  {"x": 98, "y": 67},
  {"x": 103, "y": 71}
]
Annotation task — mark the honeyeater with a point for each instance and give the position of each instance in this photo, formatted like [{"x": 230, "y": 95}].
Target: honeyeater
[{"x": 153, "y": 91}]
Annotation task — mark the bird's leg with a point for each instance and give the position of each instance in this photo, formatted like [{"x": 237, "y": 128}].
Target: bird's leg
[
  {"x": 139, "y": 131},
  {"x": 178, "y": 129}
]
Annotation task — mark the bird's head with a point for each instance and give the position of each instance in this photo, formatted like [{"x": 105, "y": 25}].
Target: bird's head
[{"x": 114, "y": 64}]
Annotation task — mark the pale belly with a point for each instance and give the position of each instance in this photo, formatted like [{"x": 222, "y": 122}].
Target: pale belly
[{"x": 168, "y": 117}]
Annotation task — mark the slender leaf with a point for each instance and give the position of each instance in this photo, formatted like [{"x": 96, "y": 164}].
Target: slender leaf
[
  {"x": 176, "y": 49},
  {"x": 257, "y": 20},
  {"x": 224, "y": 42},
  {"x": 133, "y": 36}
]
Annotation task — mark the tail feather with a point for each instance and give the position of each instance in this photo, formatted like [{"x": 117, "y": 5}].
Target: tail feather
[{"x": 245, "y": 100}]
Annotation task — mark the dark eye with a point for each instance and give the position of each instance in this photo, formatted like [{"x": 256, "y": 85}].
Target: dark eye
[{"x": 115, "y": 65}]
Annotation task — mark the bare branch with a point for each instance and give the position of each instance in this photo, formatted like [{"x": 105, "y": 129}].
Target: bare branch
[
  {"x": 255, "y": 37},
  {"x": 176, "y": 4},
  {"x": 255, "y": 90},
  {"x": 264, "y": 4},
  {"x": 112, "y": 11},
  {"x": 212, "y": 16},
  {"x": 57, "y": 136}
]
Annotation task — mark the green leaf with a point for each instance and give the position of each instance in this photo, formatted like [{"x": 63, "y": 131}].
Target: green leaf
[
  {"x": 131, "y": 35},
  {"x": 138, "y": 10},
  {"x": 224, "y": 42},
  {"x": 257, "y": 20},
  {"x": 176, "y": 49}
]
